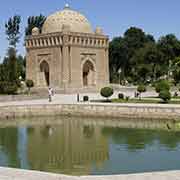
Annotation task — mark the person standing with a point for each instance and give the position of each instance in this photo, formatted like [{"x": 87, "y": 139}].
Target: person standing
[{"x": 50, "y": 94}]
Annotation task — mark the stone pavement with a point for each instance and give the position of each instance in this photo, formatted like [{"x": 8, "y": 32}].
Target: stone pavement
[
  {"x": 71, "y": 98},
  {"x": 16, "y": 174}
]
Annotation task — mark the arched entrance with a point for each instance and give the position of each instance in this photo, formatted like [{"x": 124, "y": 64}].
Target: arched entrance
[
  {"x": 88, "y": 74},
  {"x": 44, "y": 68}
]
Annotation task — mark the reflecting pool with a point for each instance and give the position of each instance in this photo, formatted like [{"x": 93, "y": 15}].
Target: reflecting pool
[{"x": 90, "y": 146}]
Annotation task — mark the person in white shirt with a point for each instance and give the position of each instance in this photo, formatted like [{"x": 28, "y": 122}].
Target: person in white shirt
[{"x": 50, "y": 93}]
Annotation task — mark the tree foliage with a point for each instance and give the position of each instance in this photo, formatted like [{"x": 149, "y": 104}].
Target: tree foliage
[
  {"x": 118, "y": 57},
  {"x": 122, "y": 50},
  {"x": 169, "y": 46},
  {"x": 11, "y": 68},
  {"x": 10, "y": 71},
  {"x": 162, "y": 85},
  {"x": 8, "y": 87},
  {"x": 12, "y": 27},
  {"x": 147, "y": 62},
  {"x": 34, "y": 21},
  {"x": 176, "y": 70},
  {"x": 12, "y": 65},
  {"x": 142, "y": 59}
]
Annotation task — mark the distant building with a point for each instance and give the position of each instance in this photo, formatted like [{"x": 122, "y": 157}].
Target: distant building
[{"x": 68, "y": 55}]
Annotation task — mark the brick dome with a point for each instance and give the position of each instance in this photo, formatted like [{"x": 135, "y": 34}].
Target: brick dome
[{"x": 66, "y": 18}]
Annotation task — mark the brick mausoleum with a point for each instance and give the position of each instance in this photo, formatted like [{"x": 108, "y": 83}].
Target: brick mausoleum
[{"x": 67, "y": 55}]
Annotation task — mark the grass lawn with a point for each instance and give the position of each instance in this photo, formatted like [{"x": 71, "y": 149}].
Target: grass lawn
[
  {"x": 143, "y": 100},
  {"x": 177, "y": 97},
  {"x": 135, "y": 100}
]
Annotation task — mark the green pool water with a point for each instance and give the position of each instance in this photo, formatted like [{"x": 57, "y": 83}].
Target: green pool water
[{"x": 79, "y": 146}]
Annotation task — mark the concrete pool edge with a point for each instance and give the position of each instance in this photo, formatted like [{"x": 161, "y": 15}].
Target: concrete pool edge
[
  {"x": 149, "y": 111},
  {"x": 19, "y": 174}
]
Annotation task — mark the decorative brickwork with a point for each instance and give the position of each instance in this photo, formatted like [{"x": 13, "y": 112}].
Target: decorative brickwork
[{"x": 65, "y": 52}]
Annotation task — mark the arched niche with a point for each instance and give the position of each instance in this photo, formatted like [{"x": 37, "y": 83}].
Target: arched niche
[
  {"x": 44, "y": 68},
  {"x": 88, "y": 73}
]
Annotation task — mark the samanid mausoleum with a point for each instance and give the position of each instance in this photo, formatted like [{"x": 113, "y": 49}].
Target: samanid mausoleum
[{"x": 67, "y": 55}]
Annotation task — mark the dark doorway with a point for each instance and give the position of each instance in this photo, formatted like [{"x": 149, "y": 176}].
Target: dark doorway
[
  {"x": 44, "y": 67},
  {"x": 88, "y": 73}
]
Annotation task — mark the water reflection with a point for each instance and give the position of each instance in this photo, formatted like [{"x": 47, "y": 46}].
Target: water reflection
[
  {"x": 136, "y": 140},
  {"x": 89, "y": 146},
  {"x": 71, "y": 147},
  {"x": 8, "y": 144}
]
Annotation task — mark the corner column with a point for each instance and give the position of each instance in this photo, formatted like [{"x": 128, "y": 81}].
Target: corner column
[
  {"x": 65, "y": 57},
  {"x": 107, "y": 65}
]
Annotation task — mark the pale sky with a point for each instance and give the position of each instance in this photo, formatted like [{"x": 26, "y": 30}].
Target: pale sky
[{"x": 158, "y": 17}]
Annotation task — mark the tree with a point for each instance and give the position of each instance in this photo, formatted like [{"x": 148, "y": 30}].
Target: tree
[
  {"x": 122, "y": 50},
  {"x": 12, "y": 27},
  {"x": 3, "y": 73},
  {"x": 147, "y": 62},
  {"x": 10, "y": 80},
  {"x": 11, "y": 65},
  {"x": 29, "y": 84},
  {"x": 169, "y": 45},
  {"x": 136, "y": 38},
  {"x": 176, "y": 70},
  {"x": 34, "y": 21},
  {"x": 162, "y": 85},
  {"x": 117, "y": 57},
  {"x": 150, "y": 38},
  {"x": 8, "y": 87},
  {"x": 142, "y": 73},
  {"x": 21, "y": 66}
]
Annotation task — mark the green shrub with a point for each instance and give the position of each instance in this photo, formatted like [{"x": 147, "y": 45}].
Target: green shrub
[
  {"x": 121, "y": 96},
  {"x": 162, "y": 85},
  {"x": 29, "y": 84},
  {"x": 107, "y": 92},
  {"x": 11, "y": 89},
  {"x": 141, "y": 88},
  {"x": 165, "y": 95},
  {"x": 8, "y": 87}
]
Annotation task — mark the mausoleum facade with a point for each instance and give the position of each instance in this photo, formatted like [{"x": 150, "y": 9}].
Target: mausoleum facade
[{"x": 67, "y": 55}]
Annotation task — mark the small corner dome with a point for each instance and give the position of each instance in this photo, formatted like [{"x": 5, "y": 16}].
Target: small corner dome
[
  {"x": 99, "y": 30},
  {"x": 68, "y": 18},
  {"x": 35, "y": 31}
]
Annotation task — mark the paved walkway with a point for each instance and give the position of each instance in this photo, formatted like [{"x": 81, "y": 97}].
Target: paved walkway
[
  {"x": 16, "y": 174},
  {"x": 72, "y": 99}
]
